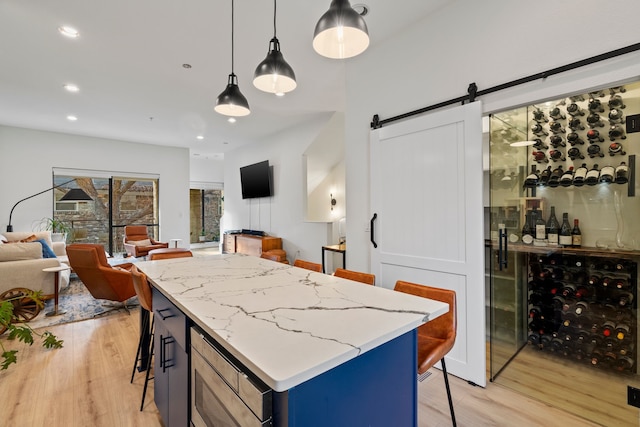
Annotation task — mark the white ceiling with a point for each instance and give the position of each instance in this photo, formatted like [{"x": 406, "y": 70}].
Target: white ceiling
[{"x": 128, "y": 65}]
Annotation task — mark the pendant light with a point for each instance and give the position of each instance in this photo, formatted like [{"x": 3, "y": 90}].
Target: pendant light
[
  {"x": 341, "y": 32},
  {"x": 231, "y": 102},
  {"x": 274, "y": 75}
]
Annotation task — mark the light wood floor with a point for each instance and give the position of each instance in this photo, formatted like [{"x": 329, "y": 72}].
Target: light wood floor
[{"x": 86, "y": 383}]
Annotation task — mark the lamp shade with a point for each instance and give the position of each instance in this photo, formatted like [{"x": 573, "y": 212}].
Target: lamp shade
[
  {"x": 76, "y": 195},
  {"x": 274, "y": 74},
  {"x": 341, "y": 32},
  {"x": 231, "y": 102}
]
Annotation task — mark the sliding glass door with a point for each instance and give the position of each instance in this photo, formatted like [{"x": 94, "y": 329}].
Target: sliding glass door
[{"x": 116, "y": 202}]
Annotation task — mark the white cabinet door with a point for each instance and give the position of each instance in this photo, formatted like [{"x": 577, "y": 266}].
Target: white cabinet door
[{"x": 426, "y": 196}]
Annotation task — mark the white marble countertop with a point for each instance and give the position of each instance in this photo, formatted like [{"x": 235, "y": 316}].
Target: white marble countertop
[{"x": 286, "y": 324}]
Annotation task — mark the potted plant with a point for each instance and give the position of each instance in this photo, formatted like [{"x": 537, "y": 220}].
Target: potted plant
[
  {"x": 202, "y": 236},
  {"x": 23, "y": 333},
  {"x": 59, "y": 229}
]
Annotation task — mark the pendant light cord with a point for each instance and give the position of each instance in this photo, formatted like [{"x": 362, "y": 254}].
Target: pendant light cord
[
  {"x": 232, "y": 47},
  {"x": 274, "y": 19}
]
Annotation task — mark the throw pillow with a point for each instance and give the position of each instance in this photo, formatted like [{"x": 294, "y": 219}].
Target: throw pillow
[
  {"x": 29, "y": 239},
  {"x": 146, "y": 242},
  {"x": 2, "y": 239},
  {"x": 47, "y": 252}
]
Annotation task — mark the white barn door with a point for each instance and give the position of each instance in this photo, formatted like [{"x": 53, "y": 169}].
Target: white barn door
[{"x": 426, "y": 198}]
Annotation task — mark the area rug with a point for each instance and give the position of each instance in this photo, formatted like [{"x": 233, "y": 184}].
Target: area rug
[{"x": 79, "y": 305}]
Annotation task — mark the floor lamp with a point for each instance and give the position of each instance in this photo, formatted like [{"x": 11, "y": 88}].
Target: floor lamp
[{"x": 73, "y": 195}]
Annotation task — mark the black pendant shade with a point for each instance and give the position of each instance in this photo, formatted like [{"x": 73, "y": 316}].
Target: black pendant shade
[
  {"x": 274, "y": 74},
  {"x": 231, "y": 102},
  {"x": 341, "y": 32}
]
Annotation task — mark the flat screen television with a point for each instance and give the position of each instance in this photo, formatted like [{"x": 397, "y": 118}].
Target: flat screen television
[{"x": 256, "y": 180}]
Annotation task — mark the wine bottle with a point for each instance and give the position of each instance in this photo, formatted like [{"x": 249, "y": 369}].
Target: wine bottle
[
  {"x": 608, "y": 328},
  {"x": 606, "y": 174},
  {"x": 533, "y": 338},
  {"x": 538, "y": 130},
  {"x": 626, "y": 349},
  {"x": 557, "y": 141},
  {"x": 565, "y": 181},
  {"x": 593, "y": 120},
  {"x": 595, "y": 106},
  {"x": 622, "y": 173},
  {"x": 596, "y": 356},
  {"x": 533, "y": 178},
  {"x": 553, "y": 227},
  {"x": 613, "y": 90},
  {"x": 594, "y": 151},
  {"x": 540, "y": 226},
  {"x": 554, "y": 179},
  {"x": 556, "y": 114},
  {"x": 580, "y": 175},
  {"x": 624, "y": 363},
  {"x": 593, "y": 135},
  {"x": 574, "y": 139},
  {"x": 622, "y": 331},
  {"x": 624, "y": 298},
  {"x": 606, "y": 282},
  {"x": 540, "y": 156},
  {"x": 574, "y": 110},
  {"x": 539, "y": 144},
  {"x": 556, "y": 127},
  {"x": 592, "y": 175},
  {"x": 617, "y": 131},
  {"x": 527, "y": 233},
  {"x": 582, "y": 308},
  {"x": 564, "y": 237},
  {"x": 568, "y": 290},
  {"x": 615, "y": 116},
  {"x": 616, "y": 102},
  {"x": 616, "y": 148},
  {"x": 538, "y": 116},
  {"x": 594, "y": 279},
  {"x": 556, "y": 155},
  {"x": 545, "y": 175},
  {"x": 575, "y": 124},
  {"x": 574, "y": 153},
  {"x": 576, "y": 234}
]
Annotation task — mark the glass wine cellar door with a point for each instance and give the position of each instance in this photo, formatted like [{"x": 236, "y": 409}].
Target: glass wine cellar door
[
  {"x": 564, "y": 248},
  {"x": 507, "y": 300}
]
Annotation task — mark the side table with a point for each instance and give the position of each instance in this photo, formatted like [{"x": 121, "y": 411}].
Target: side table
[
  {"x": 56, "y": 279},
  {"x": 341, "y": 249},
  {"x": 175, "y": 242}
]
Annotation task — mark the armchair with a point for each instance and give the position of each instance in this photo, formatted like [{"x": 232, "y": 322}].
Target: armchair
[
  {"x": 89, "y": 262},
  {"x": 137, "y": 242}
]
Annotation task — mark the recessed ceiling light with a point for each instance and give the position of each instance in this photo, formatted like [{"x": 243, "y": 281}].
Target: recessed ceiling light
[
  {"x": 187, "y": 66},
  {"x": 68, "y": 31},
  {"x": 72, "y": 118},
  {"x": 231, "y": 119},
  {"x": 199, "y": 137},
  {"x": 71, "y": 87}
]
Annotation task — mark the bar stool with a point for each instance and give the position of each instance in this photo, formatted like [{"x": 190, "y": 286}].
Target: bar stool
[
  {"x": 308, "y": 265},
  {"x": 435, "y": 338},
  {"x": 143, "y": 290},
  {"x": 369, "y": 279},
  {"x": 167, "y": 253}
]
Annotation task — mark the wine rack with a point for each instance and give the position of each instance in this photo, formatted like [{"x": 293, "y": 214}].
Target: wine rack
[{"x": 583, "y": 307}]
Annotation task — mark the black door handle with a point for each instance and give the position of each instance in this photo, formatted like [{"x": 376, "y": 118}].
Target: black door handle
[{"x": 371, "y": 229}]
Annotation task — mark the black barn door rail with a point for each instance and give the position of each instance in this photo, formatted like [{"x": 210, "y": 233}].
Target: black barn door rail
[{"x": 473, "y": 92}]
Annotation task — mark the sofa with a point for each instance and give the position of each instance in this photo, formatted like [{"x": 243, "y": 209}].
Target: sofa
[{"x": 21, "y": 263}]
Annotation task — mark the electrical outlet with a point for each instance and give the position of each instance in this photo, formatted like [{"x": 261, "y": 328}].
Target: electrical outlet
[{"x": 633, "y": 396}]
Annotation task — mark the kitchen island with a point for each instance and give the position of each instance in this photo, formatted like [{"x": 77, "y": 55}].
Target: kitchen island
[{"x": 333, "y": 351}]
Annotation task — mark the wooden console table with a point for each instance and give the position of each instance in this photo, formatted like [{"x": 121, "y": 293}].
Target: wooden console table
[{"x": 250, "y": 244}]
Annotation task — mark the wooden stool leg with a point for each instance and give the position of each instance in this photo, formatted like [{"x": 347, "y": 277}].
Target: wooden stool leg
[{"x": 446, "y": 384}]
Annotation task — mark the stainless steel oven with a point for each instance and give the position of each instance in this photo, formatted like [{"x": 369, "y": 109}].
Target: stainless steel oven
[{"x": 223, "y": 392}]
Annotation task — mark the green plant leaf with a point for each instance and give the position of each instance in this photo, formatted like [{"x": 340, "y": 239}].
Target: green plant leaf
[
  {"x": 51, "y": 341},
  {"x": 8, "y": 357},
  {"x": 23, "y": 333},
  {"x": 6, "y": 313}
]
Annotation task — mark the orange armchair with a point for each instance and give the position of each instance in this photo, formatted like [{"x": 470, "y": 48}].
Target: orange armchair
[
  {"x": 137, "y": 242},
  {"x": 89, "y": 262}
]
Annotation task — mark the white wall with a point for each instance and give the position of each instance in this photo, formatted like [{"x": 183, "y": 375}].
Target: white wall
[
  {"x": 28, "y": 157},
  {"x": 488, "y": 42},
  {"x": 283, "y": 214},
  {"x": 206, "y": 173}
]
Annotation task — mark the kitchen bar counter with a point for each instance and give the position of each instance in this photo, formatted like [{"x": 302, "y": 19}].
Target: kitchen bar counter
[{"x": 286, "y": 324}]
